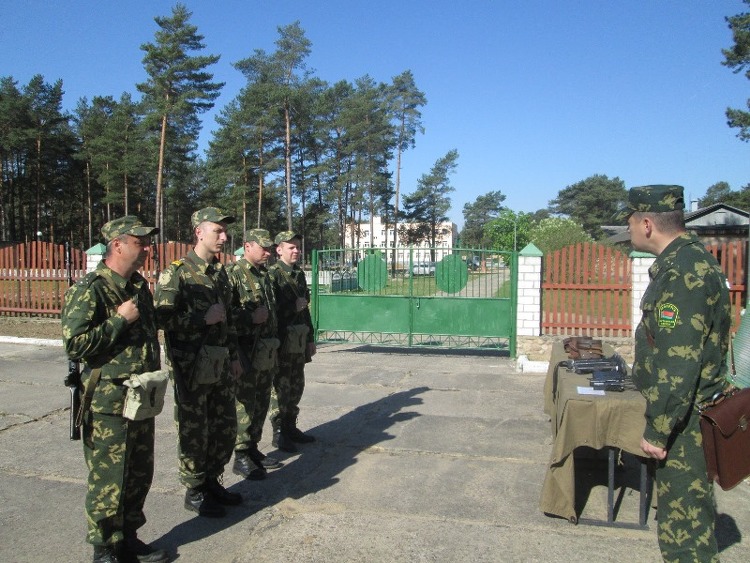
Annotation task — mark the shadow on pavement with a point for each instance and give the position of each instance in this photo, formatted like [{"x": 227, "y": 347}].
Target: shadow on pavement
[
  {"x": 338, "y": 443},
  {"x": 425, "y": 351}
]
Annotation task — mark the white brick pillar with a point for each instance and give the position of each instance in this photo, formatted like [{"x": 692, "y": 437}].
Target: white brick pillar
[
  {"x": 529, "y": 306},
  {"x": 94, "y": 256},
  {"x": 641, "y": 262}
]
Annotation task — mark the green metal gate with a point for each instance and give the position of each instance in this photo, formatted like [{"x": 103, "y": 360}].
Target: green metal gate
[{"x": 442, "y": 297}]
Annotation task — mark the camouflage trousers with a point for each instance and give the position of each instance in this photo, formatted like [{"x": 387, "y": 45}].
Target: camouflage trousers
[
  {"x": 685, "y": 500},
  {"x": 119, "y": 454},
  {"x": 288, "y": 386},
  {"x": 253, "y": 400},
  {"x": 206, "y": 430}
]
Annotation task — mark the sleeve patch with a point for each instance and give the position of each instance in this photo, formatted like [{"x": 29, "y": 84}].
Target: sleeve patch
[{"x": 667, "y": 316}]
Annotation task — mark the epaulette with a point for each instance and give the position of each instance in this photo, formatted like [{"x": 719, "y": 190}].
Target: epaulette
[
  {"x": 89, "y": 278},
  {"x": 177, "y": 263}
]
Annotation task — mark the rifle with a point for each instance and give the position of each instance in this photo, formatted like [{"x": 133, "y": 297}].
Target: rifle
[{"x": 73, "y": 379}]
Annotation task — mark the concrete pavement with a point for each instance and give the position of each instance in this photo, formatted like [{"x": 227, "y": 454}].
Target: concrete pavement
[{"x": 421, "y": 456}]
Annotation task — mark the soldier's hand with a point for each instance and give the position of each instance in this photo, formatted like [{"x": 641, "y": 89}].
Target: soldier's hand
[
  {"x": 215, "y": 314},
  {"x": 311, "y": 349},
  {"x": 260, "y": 315},
  {"x": 301, "y": 304},
  {"x": 652, "y": 451},
  {"x": 129, "y": 310}
]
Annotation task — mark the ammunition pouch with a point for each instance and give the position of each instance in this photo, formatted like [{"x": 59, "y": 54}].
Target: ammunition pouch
[
  {"x": 144, "y": 397},
  {"x": 265, "y": 354},
  {"x": 210, "y": 365},
  {"x": 296, "y": 339}
]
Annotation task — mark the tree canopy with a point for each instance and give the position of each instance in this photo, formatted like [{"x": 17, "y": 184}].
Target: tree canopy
[
  {"x": 591, "y": 202},
  {"x": 428, "y": 206},
  {"x": 553, "y": 233},
  {"x": 509, "y": 231},
  {"x": 476, "y": 216},
  {"x": 737, "y": 58}
]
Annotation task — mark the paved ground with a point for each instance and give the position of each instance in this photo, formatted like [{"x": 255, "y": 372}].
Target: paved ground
[{"x": 420, "y": 457}]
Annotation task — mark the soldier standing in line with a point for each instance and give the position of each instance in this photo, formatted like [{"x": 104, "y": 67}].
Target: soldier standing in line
[
  {"x": 297, "y": 342},
  {"x": 680, "y": 349},
  {"x": 192, "y": 298},
  {"x": 254, "y": 315},
  {"x": 109, "y": 323}
]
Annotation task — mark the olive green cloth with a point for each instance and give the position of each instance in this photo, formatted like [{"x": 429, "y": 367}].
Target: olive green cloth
[{"x": 615, "y": 419}]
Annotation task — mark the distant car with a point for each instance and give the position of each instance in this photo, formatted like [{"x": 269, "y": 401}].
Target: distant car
[
  {"x": 423, "y": 269},
  {"x": 473, "y": 262}
]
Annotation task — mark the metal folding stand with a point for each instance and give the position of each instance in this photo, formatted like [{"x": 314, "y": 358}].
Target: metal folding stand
[{"x": 644, "y": 501}]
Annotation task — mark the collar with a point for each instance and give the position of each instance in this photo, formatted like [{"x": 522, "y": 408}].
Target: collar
[{"x": 200, "y": 263}]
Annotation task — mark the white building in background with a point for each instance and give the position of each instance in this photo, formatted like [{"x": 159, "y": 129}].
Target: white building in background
[{"x": 373, "y": 235}]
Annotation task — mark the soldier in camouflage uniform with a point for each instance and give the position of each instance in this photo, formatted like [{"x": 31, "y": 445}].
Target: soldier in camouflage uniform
[
  {"x": 297, "y": 342},
  {"x": 680, "y": 347},
  {"x": 192, "y": 300},
  {"x": 254, "y": 313},
  {"x": 109, "y": 323}
]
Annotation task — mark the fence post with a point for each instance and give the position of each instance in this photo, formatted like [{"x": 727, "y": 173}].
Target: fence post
[
  {"x": 94, "y": 256},
  {"x": 529, "y": 308},
  {"x": 641, "y": 262}
]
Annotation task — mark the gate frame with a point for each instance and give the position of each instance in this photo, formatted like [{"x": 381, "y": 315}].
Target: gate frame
[{"x": 504, "y": 339}]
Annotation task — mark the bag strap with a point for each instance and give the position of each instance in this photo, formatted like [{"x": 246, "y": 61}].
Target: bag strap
[
  {"x": 292, "y": 282},
  {"x": 96, "y": 373},
  {"x": 193, "y": 267}
]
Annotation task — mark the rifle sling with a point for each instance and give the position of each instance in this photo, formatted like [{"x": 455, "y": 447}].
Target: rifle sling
[{"x": 88, "y": 394}]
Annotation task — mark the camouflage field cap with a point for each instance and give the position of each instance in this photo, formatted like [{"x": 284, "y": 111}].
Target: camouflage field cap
[
  {"x": 261, "y": 236},
  {"x": 127, "y": 225},
  {"x": 212, "y": 214},
  {"x": 286, "y": 236},
  {"x": 652, "y": 199}
]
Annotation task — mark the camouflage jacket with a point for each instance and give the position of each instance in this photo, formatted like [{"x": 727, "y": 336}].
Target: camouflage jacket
[
  {"x": 682, "y": 339},
  {"x": 186, "y": 290},
  {"x": 288, "y": 284},
  {"x": 94, "y": 333},
  {"x": 251, "y": 288}
]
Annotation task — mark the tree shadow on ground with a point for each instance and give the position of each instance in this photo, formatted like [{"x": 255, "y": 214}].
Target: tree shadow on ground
[{"x": 338, "y": 443}]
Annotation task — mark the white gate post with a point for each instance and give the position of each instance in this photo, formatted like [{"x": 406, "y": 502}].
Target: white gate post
[
  {"x": 529, "y": 306},
  {"x": 94, "y": 256},
  {"x": 641, "y": 262}
]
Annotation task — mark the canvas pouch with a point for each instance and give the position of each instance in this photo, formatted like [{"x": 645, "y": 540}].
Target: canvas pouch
[
  {"x": 296, "y": 339},
  {"x": 144, "y": 397},
  {"x": 265, "y": 353},
  {"x": 210, "y": 365}
]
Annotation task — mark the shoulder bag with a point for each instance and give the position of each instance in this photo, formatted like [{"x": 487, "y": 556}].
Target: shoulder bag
[{"x": 725, "y": 427}]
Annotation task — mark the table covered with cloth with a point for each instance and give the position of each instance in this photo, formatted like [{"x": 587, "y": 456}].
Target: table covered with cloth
[{"x": 612, "y": 420}]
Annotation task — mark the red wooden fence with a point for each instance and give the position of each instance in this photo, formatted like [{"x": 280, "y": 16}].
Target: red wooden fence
[
  {"x": 733, "y": 259},
  {"x": 586, "y": 291},
  {"x": 586, "y": 288},
  {"x": 34, "y": 275}
]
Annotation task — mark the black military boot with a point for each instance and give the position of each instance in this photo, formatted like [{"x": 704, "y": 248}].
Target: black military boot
[
  {"x": 296, "y": 435},
  {"x": 246, "y": 467},
  {"x": 106, "y": 554},
  {"x": 201, "y": 501},
  {"x": 136, "y": 550},
  {"x": 223, "y": 496},
  {"x": 280, "y": 439},
  {"x": 260, "y": 458}
]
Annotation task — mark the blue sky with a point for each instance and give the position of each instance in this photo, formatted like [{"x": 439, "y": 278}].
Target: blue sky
[{"x": 535, "y": 95}]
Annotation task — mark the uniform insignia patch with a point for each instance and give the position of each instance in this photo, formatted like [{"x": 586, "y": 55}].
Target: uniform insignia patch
[{"x": 668, "y": 315}]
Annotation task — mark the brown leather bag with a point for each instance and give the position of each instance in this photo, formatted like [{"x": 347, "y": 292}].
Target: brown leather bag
[
  {"x": 583, "y": 348},
  {"x": 725, "y": 426}
]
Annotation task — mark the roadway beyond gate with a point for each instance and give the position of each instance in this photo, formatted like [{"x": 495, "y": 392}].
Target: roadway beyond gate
[{"x": 435, "y": 297}]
